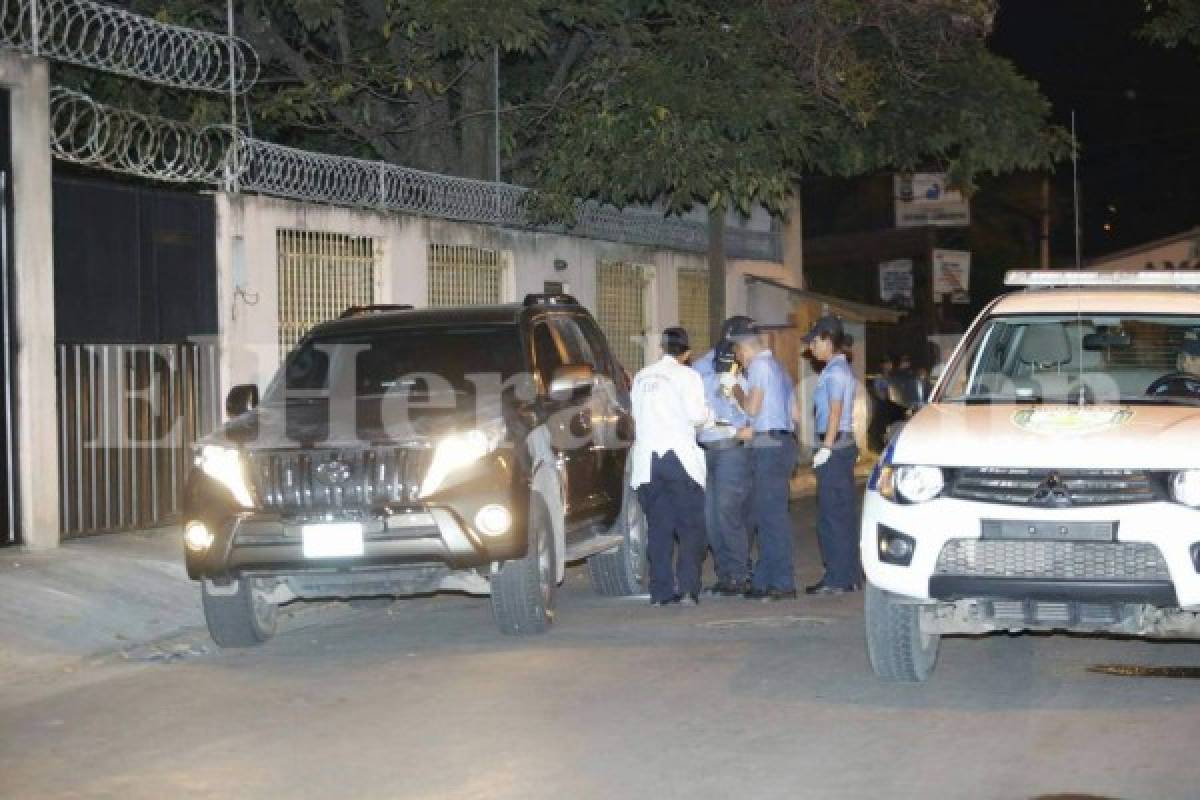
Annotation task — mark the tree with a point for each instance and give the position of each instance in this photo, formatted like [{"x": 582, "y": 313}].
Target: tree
[
  {"x": 728, "y": 107},
  {"x": 1174, "y": 22}
]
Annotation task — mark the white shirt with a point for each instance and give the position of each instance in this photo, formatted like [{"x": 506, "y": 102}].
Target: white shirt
[{"x": 668, "y": 407}]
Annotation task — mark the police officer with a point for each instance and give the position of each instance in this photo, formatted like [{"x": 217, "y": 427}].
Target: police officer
[
  {"x": 1185, "y": 382},
  {"x": 834, "y": 459},
  {"x": 768, "y": 401},
  {"x": 669, "y": 470},
  {"x": 728, "y": 459}
]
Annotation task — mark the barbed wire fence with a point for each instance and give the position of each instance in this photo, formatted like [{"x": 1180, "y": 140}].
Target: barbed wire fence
[{"x": 93, "y": 134}]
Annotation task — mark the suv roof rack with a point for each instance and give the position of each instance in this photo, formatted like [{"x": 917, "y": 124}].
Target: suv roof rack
[
  {"x": 1047, "y": 279},
  {"x": 547, "y": 299},
  {"x": 359, "y": 311}
]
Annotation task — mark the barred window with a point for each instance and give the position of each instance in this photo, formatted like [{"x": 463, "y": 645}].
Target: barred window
[
  {"x": 321, "y": 274},
  {"x": 621, "y": 310},
  {"x": 693, "y": 307},
  {"x": 461, "y": 275}
]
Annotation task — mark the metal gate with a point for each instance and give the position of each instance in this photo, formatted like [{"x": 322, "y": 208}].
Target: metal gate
[
  {"x": 693, "y": 307},
  {"x": 462, "y": 275},
  {"x": 128, "y": 418},
  {"x": 621, "y": 310}
]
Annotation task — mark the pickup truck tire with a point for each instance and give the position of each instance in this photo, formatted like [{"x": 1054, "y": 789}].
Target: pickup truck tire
[
  {"x": 242, "y": 619},
  {"x": 523, "y": 590},
  {"x": 897, "y": 648},
  {"x": 621, "y": 572}
]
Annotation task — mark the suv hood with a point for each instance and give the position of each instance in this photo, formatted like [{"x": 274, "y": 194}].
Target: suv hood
[
  {"x": 307, "y": 424},
  {"x": 1052, "y": 436}
]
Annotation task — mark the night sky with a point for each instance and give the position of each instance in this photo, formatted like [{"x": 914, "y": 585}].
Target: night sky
[{"x": 1137, "y": 113}]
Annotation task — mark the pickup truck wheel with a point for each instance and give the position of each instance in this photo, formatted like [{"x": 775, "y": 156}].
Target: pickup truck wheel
[
  {"x": 523, "y": 590},
  {"x": 241, "y": 619},
  {"x": 622, "y": 572},
  {"x": 898, "y": 650}
]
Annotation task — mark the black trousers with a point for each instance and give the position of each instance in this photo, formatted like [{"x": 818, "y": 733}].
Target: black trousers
[{"x": 674, "y": 508}]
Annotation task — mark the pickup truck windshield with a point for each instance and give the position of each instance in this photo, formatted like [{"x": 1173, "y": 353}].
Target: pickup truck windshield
[
  {"x": 1079, "y": 358},
  {"x": 377, "y": 362}
]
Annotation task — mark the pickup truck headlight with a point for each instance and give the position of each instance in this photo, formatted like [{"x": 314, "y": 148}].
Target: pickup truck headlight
[
  {"x": 1185, "y": 487},
  {"x": 224, "y": 465},
  {"x": 911, "y": 484},
  {"x": 459, "y": 450}
]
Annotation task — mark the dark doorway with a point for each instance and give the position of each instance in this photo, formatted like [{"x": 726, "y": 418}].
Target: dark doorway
[{"x": 8, "y": 491}]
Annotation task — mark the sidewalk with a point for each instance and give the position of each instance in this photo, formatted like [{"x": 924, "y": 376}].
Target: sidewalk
[{"x": 91, "y": 596}]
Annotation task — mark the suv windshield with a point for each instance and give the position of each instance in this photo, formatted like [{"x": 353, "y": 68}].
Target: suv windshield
[
  {"x": 378, "y": 362},
  {"x": 1078, "y": 358}
]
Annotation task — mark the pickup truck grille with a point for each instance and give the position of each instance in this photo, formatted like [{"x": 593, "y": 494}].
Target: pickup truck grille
[
  {"x": 1054, "y": 560},
  {"x": 1054, "y": 488},
  {"x": 303, "y": 481}
]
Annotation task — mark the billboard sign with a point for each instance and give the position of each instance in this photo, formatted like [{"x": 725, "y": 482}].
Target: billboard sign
[
  {"x": 896, "y": 283},
  {"x": 952, "y": 275},
  {"x": 922, "y": 198}
]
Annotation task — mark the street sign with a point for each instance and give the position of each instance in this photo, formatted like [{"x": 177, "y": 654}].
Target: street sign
[{"x": 922, "y": 198}]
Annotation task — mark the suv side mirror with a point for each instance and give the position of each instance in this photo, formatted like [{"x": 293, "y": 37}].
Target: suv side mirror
[
  {"x": 241, "y": 398},
  {"x": 571, "y": 382}
]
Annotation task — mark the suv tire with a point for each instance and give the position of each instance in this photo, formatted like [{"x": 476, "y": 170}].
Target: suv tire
[
  {"x": 523, "y": 590},
  {"x": 622, "y": 572},
  {"x": 242, "y": 619},
  {"x": 898, "y": 650}
]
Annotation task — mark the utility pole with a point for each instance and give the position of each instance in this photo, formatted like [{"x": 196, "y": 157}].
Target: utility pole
[
  {"x": 1075, "y": 189},
  {"x": 1045, "y": 237},
  {"x": 234, "y": 157}
]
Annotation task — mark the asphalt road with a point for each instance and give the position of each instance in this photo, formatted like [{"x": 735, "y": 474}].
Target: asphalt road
[{"x": 732, "y": 699}]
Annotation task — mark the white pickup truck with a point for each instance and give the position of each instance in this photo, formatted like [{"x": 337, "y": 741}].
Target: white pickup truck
[{"x": 1053, "y": 483}]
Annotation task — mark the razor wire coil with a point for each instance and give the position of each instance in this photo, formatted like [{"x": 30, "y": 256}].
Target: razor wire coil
[{"x": 91, "y": 34}]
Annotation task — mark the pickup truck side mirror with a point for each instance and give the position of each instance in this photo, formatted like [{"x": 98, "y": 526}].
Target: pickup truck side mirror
[
  {"x": 571, "y": 382},
  {"x": 241, "y": 398}
]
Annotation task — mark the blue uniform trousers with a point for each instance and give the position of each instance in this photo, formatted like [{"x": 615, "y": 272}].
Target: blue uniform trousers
[
  {"x": 727, "y": 509},
  {"x": 773, "y": 459},
  {"x": 837, "y": 520},
  {"x": 674, "y": 507}
]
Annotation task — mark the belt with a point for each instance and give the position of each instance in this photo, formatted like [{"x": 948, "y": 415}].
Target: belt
[
  {"x": 776, "y": 433},
  {"x": 722, "y": 444},
  {"x": 842, "y": 438}
]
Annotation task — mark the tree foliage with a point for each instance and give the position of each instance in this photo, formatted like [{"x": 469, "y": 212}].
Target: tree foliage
[{"x": 1173, "y": 22}]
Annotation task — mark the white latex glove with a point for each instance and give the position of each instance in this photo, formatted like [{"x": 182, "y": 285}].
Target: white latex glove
[
  {"x": 821, "y": 456},
  {"x": 728, "y": 380}
]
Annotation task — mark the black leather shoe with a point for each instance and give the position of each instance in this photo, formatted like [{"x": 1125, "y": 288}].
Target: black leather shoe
[
  {"x": 774, "y": 595},
  {"x": 669, "y": 601},
  {"x": 823, "y": 588}
]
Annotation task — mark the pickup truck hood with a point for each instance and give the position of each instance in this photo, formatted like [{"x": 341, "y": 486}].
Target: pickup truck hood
[{"x": 1052, "y": 436}]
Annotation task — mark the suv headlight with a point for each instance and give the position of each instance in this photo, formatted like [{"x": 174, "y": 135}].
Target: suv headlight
[
  {"x": 911, "y": 484},
  {"x": 1185, "y": 487},
  {"x": 459, "y": 450},
  {"x": 224, "y": 465}
]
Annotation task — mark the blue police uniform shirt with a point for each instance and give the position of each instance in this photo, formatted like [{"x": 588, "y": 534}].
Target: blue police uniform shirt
[
  {"x": 724, "y": 409},
  {"x": 836, "y": 382},
  {"x": 766, "y": 373}
]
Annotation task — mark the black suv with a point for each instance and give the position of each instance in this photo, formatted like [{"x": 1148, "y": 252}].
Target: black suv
[{"x": 405, "y": 452}]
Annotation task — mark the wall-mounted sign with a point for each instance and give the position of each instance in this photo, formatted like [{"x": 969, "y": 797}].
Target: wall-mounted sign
[
  {"x": 896, "y": 283},
  {"x": 952, "y": 275},
  {"x": 922, "y": 198}
]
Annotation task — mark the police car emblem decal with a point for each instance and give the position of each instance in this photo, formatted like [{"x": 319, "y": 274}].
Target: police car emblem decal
[{"x": 1071, "y": 420}]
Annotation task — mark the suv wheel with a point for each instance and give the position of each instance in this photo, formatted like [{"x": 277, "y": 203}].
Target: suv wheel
[
  {"x": 898, "y": 650},
  {"x": 622, "y": 572},
  {"x": 523, "y": 590},
  {"x": 241, "y": 619}
]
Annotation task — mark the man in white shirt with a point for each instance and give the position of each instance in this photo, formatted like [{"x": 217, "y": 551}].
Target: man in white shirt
[{"x": 669, "y": 469}]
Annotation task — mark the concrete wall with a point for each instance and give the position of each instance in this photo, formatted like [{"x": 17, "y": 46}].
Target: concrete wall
[
  {"x": 32, "y": 268},
  {"x": 247, "y": 283}
]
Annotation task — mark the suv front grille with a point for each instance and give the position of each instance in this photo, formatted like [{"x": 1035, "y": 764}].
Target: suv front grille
[
  {"x": 1054, "y": 488},
  {"x": 1056, "y": 560},
  {"x": 301, "y": 481}
]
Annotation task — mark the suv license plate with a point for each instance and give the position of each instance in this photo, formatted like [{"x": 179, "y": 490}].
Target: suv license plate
[{"x": 332, "y": 540}]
